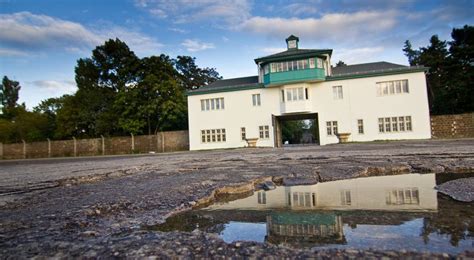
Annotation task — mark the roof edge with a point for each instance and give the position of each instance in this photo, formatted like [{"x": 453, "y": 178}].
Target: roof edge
[
  {"x": 378, "y": 73},
  {"x": 220, "y": 90}
]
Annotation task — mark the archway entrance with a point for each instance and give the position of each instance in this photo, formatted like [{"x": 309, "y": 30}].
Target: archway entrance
[{"x": 296, "y": 129}]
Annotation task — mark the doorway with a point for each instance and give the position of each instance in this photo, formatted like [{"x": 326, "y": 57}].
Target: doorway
[{"x": 296, "y": 129}]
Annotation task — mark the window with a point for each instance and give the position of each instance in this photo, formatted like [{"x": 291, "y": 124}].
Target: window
[
  {"x": 266, "y": 69},
  {"x": 337, "y": 92},
  {"x": 320, "y": 63},
  {"x": 381, "y": 127},
  {"x": 401, "y": 123},
  {"x": 346, "y": 197},
  {"x": 331, "y": 127},
  {"x": 302, "y": 199},
  {"x": 408, "y": 123},
  {"x": 264, "y": 131},
  {"x": 406, "y": 196},
  {"x": 213, "y": 135},
  {"x": 262, "y": 197},
  {"x": 256, "y": 100},
  {"x": 395, "y": 124},
  {"x": 392, "y": 87},
  {"x": 243, "y": 134},
  {"x": 212, "y": 104},
  {"x": 387, "y": 125},
  {"x": 360, "y": 126},
  {"x": 311, "y": 63},
  {"x": 295, "y": 94}
]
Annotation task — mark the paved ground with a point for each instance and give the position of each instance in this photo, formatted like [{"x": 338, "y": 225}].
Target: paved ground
[{"x": 96, "y": 206}]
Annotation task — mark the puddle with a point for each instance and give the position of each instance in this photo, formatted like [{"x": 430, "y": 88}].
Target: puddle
[{"x": 385, "y": 213}]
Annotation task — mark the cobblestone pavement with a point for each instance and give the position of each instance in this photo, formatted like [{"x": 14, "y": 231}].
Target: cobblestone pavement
[{"x": 95, "y": 206}]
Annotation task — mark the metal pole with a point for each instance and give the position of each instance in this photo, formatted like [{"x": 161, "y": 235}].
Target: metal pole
[{"x": 133, "y": 143}]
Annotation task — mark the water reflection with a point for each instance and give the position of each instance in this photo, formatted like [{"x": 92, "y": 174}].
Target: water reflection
[
  {"x": 410, "y": 192},
  {"x": 390, "y": 212}
]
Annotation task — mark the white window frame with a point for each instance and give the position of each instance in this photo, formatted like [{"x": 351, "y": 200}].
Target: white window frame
[
  {"x": 243, "y": 134},
  {"x": 331, "y": 128},
  {"x": 395, "y": 124},
  {"x": 212, "y": 104},
  {"x": 392, "y": 87},
  {"x": 264, "y": 132},
  {"x": 256, "y": 101},
  {"x": 212, "y": 135},
  {"x": 337, "y": 92},
  {"x": 360, "y": 126}
]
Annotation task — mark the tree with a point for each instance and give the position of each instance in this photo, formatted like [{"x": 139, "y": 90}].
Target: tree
[
  {"x": 410, "y": 53},
  {"x": 461, "y": 69},
  {"x": 193, "y": 77},
  {"x": 340, "y": 64},
  {"x": 9, "y": 93},
  {"x": 451, "y": 71},
  {"x": 156, "y": 102},
  {"x": 89, "y": 113}
]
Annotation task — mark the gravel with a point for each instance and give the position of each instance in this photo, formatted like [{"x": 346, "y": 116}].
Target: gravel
[
  {"x": 460, "y": 189},
  {"x": 95, "y": 207}
]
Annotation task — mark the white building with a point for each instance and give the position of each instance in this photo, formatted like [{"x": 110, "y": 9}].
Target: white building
[{"x": 371, "y": 101}]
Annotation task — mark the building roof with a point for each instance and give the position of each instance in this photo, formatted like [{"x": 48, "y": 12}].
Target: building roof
[
  {"x": 338, "y": 73},
  {"x": 371, "y": 69},
  {"x": 224, "y": 85},
  {"x": 365, "y": 67},
  {"x": 293, "y": 53}
]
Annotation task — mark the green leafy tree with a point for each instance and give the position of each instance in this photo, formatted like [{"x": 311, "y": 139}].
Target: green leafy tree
[
  {"x": 411, "y": 54},
  {"x": 460, "y": 68},
  {"x": 156, "y": 102},
  {"x": 193, "y": 77},
  {"x": 9, "y": 94},
  {"x": 451, "y": 71},
  {"x": 90, "y": 112},
  {"x": 340, "y": 64}
]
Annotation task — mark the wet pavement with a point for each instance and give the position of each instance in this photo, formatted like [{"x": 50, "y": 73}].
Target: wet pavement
[{"x": 97, "y": 207}]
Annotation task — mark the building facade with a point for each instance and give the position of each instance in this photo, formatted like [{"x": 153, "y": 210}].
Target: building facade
[{"x": 371, "y": 101}]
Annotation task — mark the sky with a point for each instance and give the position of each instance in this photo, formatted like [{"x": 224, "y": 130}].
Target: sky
[{"x": 41, "y": 41}]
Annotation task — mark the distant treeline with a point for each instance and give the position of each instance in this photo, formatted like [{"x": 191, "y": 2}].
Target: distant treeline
[{"x": 118, "y": 94}]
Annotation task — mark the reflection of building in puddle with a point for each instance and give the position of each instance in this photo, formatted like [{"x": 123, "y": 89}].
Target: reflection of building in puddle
[
  {"x": 301, "y": 224},
  {"x": 410, "y": 192},
  {"x": 304, "y": 228}
]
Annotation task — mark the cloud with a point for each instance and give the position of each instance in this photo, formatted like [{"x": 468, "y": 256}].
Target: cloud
[
  {"x": 219, "y": 12},
  {"x": 358, "y": 55},
  {"x": 333, "y": 26},
  {"x": 301, "y": 8},
  {"x": 25, "y": 32},
  {"x": 30, "y": 31},
  {"x": 272, "y": 50},
  {"x": 178, "y": 30},
  {"x": 56, "y": 87},
  {"x": 5, "y": 52},
  {"x": 196, "y": 45}
]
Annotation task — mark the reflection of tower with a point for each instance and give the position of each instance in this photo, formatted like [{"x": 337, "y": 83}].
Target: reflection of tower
[{"x": 304, "y": 228}]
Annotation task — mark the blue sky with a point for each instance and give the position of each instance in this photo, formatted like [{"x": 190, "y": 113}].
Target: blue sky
[{"x": 40, "y": 41}]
